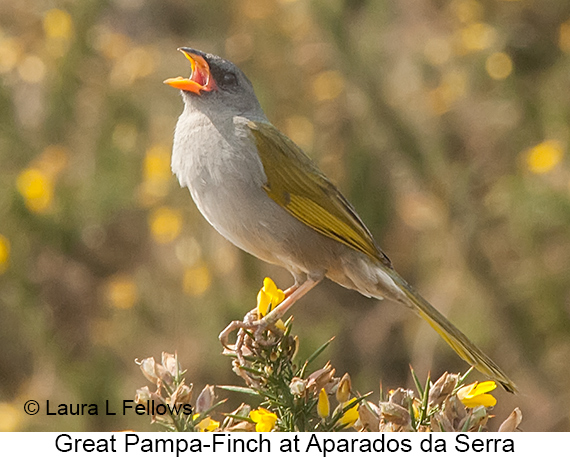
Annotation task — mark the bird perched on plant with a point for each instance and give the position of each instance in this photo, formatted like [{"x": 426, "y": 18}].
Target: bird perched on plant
[{"x": 260, "y": 191}]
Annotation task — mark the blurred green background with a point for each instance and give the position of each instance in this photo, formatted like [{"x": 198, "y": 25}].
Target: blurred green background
[{"x": 445, "y": 122}]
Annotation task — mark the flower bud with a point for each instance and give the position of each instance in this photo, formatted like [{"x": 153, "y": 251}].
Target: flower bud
[
  {"x": 148, "y": 367},
  {"x": 155, "y": 372},
  {"x": 181, "y": 395},
  {"x": 170, "y": 363},
  {"x": 398, "y": 415},
  {"x": 205, "y": 400},
  {"x": 343, "y": 389},
  {"x": 323, "y": 405},
  {"x": 401, "y": 397},
  {"x": 512, "y": 422},
  {"x": 296, "y": 347},
  {"x": 320, "y": 378},
  {"x": 143, "y": 395},
  {"x": 368, "y": 414},
  {"x": 442, "y": 388}
]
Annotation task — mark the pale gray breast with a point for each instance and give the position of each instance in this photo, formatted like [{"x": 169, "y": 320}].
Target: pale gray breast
[{"x": 221, "y": 168}]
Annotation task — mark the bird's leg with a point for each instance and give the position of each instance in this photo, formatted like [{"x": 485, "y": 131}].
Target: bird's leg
[
  {"x": 258, "y": 326},
  {"x": 293, "y": 294},
  {"x": 291, "y": 289}
]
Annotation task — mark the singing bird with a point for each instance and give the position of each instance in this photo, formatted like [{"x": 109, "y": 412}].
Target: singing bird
[{"x": 259, "y": 190}]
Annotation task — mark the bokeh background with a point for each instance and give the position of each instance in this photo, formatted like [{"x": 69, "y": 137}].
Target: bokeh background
[{"x": 445, "y": 122}]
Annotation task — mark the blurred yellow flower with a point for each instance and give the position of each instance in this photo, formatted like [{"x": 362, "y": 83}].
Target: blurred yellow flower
[
  {"x": 157, "y": 176},
  {"x": 10, "y": 52},
  {"x": 32, "y": 69},
  {"x": 37, "y": 189},
  {"x": 58, "y": 28},
  {"x": 58, "y": 24},
  {"x": 121, "y": 291},
  {"x": 328, "y": 85},
  {"x": 257, "y": 9},
  {"x": 564, "y": 37},
  {"x": 264, "y": 419},
  {"x": 207, "y": 424},
  {"x": 475, "y": 394},
  {"x": 499, "y": 65},
  {"x": 4, "y": 253},
  {"x": 301, "y": 130},
  {"x": 10, "y": 418},
  {"x": 477, "y": 36},
  {"x": 165, "y": 224},
  {"x": 157, "y": 163},
  {"x": 467, "y": 10},
  {"x": 544, "y": 156},
  {"x": 351, "y": 415},
  {"x": 268, "y": 297},
  {"x": 323, "y": 405},
  {"x": 197, "y": 280}
]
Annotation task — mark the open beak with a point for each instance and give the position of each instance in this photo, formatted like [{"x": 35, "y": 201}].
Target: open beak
[{"x": 200, "y": 80}]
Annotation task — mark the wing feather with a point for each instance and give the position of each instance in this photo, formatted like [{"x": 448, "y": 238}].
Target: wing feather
[{"x": 296, "y": 184}]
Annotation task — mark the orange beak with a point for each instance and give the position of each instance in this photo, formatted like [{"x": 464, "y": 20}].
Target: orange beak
[{"x": 200, "y": 80}]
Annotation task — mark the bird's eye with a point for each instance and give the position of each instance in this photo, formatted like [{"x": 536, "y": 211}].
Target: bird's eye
[{"x": 230, "y": 79}]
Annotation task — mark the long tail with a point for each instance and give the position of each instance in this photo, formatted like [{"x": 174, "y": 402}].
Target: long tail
[{"x": 452, "y": 335}]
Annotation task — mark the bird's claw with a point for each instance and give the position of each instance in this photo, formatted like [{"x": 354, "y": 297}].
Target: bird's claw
[{"x": 250, "y": 335}]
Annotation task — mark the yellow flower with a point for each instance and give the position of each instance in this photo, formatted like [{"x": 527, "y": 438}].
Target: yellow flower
[
  {"x": 157, "y": 164},
  {"x": 121, "y": 291},
  {"x": 328, "y": 85},
  {"x": 544, "y": 156},
  {"x": 165, "y": 224},
  {"x": 476, "y": 394},
  {"x": 4, "y": 253},
  {"x": 351, "y": 415},
  {"x": 157, "y": 176},
  {"x": 499, "y": 65},
  {"x": 197, "y": 280},
  {"x": 323, "y": 405},
  {"x": 268, "y": 297},
  {"x": 10, "y": 418},
  {"x": 564, "y": 37},
  {"x": 263, "y": 418},
  {"x": 36, "y": 188},
  {"x": 477, "y": 36},
  {"x": 58, "y": 24},
  {"x": 207, "y": 424}
]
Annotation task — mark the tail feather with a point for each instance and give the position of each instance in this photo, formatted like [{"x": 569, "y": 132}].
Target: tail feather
[{"x": 453, "y": 336}]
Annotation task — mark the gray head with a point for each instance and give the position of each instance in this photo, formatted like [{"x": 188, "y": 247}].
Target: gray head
[{"x": 216, "y": 87}]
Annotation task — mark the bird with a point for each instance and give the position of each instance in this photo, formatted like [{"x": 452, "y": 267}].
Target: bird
[{"x": 261, "y": 192}]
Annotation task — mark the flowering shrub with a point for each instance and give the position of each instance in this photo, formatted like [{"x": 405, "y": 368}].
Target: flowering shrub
[{"x": 291, "y": 397}]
